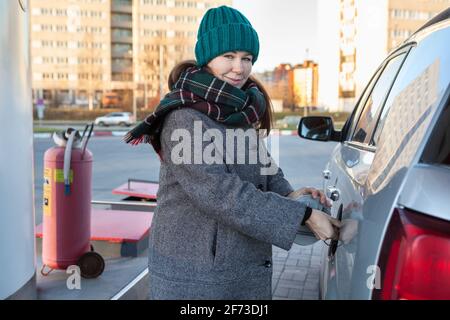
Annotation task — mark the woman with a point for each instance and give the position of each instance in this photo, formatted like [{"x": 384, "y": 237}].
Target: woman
[{"x": 217, "y": 218}]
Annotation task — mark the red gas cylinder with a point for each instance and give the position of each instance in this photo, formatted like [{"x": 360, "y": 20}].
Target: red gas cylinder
[{"x": 67, "y": 204}]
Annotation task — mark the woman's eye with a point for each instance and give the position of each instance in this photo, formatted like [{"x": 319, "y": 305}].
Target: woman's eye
[
  {"x": 248, "y": 59},
  {"x": 228, "y": 56}
]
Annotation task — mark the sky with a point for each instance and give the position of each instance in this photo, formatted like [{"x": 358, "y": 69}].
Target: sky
[{"x": 286, "y": 29}]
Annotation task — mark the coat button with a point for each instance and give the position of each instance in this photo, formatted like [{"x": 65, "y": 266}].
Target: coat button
[{"x": 267, "y": 264}]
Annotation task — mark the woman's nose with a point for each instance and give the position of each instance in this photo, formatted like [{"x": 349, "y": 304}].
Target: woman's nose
[{"x": 237, "y": 66}]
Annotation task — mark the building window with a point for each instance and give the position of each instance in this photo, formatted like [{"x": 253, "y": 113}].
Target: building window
[
  {"x": 61, "y": 28},
  {"x": 154, "y": 17},
  {"x": 47, "y": 59},
  {"x": 83, "y": 76},
  {"x": 62, "y": 60},
  {"x": 186, "y": 4},
  {"x": 46, "y": 27},
  {"x": 186, "y": 19},
  {"x": 97, "y": 76},
  {"x": 96, "y": 45},
  {"x": 46, "y": 11},
  {"x": 155, "y": 2},
  {"x": 61, "y": 44},
  {"x": 60, "y": 12},
  {"x": 47, "y": 43}
]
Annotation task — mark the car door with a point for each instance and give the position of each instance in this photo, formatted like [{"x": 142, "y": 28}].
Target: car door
[
  {"x": 114, "y": 118},
  {"x": 120, "y": 117},
  {"x": 346, "y": 174}
]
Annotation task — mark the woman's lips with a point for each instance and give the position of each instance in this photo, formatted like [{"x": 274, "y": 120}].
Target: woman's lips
[{"x": 234, "y": 81}]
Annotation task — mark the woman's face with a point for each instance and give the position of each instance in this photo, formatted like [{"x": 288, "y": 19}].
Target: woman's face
[{"x": 233, "y": 67}]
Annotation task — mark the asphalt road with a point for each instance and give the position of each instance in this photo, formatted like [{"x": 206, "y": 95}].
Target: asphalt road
[{"x": 114, "y": 162}]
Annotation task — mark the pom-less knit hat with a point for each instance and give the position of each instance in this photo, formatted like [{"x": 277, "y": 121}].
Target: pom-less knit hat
[{"x": 224, "y": 29}]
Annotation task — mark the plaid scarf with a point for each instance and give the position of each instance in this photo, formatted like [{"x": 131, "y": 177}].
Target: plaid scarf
[{"x": 198, "y": 89}]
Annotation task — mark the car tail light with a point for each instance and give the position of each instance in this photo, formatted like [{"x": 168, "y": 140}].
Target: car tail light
[{"x": 415, "y": 258}]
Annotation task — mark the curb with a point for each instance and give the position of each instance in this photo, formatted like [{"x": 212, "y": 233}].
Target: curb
[{"x": 274, "y": 132}]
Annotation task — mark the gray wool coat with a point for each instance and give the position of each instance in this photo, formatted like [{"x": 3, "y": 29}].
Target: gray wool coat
[{"x": 215, "y": 224}]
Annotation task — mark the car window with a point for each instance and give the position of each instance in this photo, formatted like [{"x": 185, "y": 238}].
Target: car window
[
  {"x": 437, "y": 150},
  {"x": 374, "y": 101},
  {"x": 425, "y": 62},
  {"x": 409, "y": 112},
  {"x": 351, "y": 121}
]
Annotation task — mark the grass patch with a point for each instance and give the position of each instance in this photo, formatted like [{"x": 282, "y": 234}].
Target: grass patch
[{"x": 44, "y": 130}]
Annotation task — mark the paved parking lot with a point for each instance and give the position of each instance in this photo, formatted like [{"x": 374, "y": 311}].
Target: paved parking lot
[{"x": 296, "y": 272}]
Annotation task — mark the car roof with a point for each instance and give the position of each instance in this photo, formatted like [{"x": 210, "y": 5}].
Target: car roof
[
  {"x": 440, "y": 21},
  {"x": 442, "y": 16}
]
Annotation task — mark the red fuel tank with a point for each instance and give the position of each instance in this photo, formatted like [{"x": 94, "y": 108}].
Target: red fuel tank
[{"x": 66, "y": 208}]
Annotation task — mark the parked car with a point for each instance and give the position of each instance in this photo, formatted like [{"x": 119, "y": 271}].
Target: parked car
[
  {"x": 288, "y": 121},
  {"x": 389, "y": 177},
  {"x": 115, "y": 118}
]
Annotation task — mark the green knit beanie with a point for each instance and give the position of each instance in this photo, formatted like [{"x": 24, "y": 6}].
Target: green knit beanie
[{"x": 224, "y": 29}]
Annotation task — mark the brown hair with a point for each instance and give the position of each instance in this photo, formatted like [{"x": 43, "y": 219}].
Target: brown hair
[{"x": 266, "y": 120}]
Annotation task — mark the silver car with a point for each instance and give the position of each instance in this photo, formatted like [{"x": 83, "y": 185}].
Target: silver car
[
  {"x": 389, "y": 177},
  {"x": 116, "y": 118}
]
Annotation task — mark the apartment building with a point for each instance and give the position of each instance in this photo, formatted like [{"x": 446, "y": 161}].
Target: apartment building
[
  {"x": 81, "y": 49},
  {"x": 305, "y": 81},
  {"x": 405, "y": 17},
  {"x": 354, "y": 36},
  {"x": 279, "y": 84}
]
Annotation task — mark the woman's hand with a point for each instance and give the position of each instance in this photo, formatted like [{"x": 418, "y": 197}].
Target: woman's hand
[
  {"x": 349, "y": 229},
  {"x": 315, "y": 193},
  {"x": 322, "y": 225}
]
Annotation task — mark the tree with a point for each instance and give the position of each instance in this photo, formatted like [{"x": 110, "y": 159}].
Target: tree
[
  {"x": 90, "y": 70},
  {"x": 159, "y": 56}
]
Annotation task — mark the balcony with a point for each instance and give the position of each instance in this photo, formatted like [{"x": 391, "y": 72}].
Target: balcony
[
  {"x": 119, "y": 38},
  {"x": 122, "y": 24},
  {"x": 121, "y": 50},
  {"x": 121, "y": 20},
  {"x": 121, "y": 6},
  {"x": 121, "y": 68}
]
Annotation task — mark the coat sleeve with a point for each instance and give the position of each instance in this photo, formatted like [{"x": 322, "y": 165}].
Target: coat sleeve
[{"x": 221, "y": 194}]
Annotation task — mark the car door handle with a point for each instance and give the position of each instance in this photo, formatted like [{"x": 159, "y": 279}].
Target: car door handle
[
  {"x": 333, "y": 193},
  {"x": 326, "y": 174}
]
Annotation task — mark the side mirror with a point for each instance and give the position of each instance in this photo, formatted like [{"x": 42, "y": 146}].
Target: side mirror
[{"x": 318, "y": 128}]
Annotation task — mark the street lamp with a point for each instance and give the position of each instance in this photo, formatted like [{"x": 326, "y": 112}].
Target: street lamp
[{"x": 130, "y": 52}]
